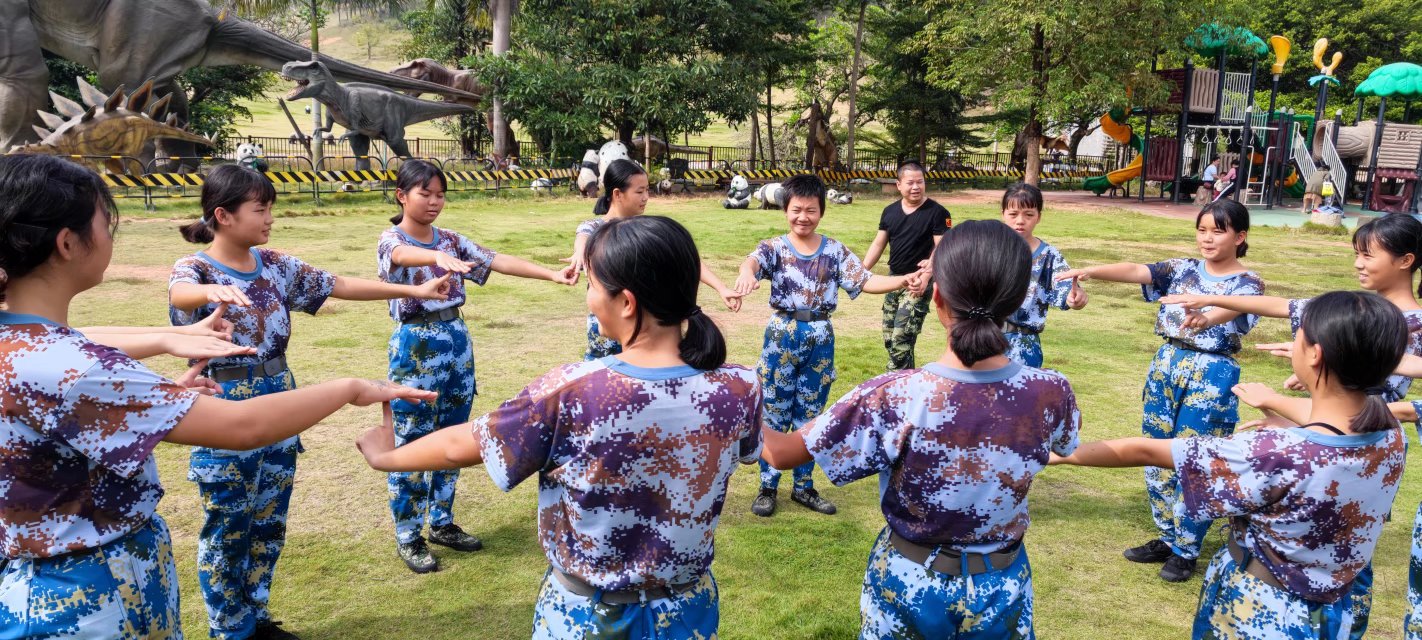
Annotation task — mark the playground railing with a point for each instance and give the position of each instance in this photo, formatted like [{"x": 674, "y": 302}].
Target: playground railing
[{"x": 1336, "y": 168}]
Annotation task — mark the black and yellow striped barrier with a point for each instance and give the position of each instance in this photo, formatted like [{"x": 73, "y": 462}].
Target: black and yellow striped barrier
[{"x": 845, "y": 176}]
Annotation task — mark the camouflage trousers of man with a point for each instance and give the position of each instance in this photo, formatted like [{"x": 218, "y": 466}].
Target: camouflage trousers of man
[{"x": 903, "y": 320}]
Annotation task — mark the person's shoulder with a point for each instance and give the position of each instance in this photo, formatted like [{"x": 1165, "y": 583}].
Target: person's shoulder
[
  {"x": 739, "y": 374},
  {"x": 896, "y": 206},
  {"x": 933, "y": 205},
  {"x": 1043, "y": 378},
  {"x": 192, "y": 261}
]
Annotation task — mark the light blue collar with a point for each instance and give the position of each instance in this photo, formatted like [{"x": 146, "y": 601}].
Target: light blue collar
[
  {"x": 978, "y": 376},
  {"x": 824, "y": 239},
  {"x": 649, "y": 373},
  {"x": 426, "y": 245},
  {"x": 240, "y": 275},
  {"x": 1350, "y": 440},
  {"x": 24, "y": 318}
]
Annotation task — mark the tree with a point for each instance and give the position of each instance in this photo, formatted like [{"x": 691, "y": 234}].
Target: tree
[
  {"x": 645, "y": 65},
  {"x": 451, "y": 31},
  {"x": 502, "y": 11},
  {"x": 1051, "y": 60},
  {"x": 854, "y": 70}
]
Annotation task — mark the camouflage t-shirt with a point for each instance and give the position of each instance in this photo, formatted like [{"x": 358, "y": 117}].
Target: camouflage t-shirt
[
  {"x": 445, "y": 241},
  {"x": 1188, "y": 276},
  {"x": 78, "y": 424},
  {"x": 1043, "y": 292},
  {"x": 799, "y": 281},
  {"x": 955, "y": 450},
  {"x": 632, "y": 464}
]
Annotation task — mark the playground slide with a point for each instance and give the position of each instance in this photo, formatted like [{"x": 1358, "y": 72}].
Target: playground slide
[{"x": 1113, "y": 125}]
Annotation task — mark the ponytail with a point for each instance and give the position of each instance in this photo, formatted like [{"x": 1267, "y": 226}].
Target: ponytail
[
  {"x": 197, "y": 232},
  {"x": 656, "y": 260},
  {"x": 981, "y": 268},
  {"x": 603, "y": 204},
  {"x": 1375, "y": 416},
  {"x": 227, "y": 187}
]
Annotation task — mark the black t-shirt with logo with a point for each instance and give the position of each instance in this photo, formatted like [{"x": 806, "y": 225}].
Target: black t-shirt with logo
[{"x": 911, "y": 235}]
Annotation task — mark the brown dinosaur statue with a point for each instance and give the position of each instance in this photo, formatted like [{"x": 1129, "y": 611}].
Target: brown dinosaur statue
[
  {"x": 129, "y": 41},
  {"x": 820, "y": 149},
  {"x": 107, "y": 128},
  {"x": 429, "y": 70}
]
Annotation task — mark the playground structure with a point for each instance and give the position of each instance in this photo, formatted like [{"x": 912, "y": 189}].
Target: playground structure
[{"x": 1394, "y": 158}]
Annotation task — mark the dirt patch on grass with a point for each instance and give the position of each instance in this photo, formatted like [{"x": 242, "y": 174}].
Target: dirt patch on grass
[{"x": 135, "y": 272}]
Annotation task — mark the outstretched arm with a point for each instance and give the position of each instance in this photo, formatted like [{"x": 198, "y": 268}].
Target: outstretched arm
[
  {"x": 518, "y": 267},
  {"x": 730, "y": 297},
  {"x": 1261, "y": 397},
  {"x": 1266, "y": 306},
  {"x": 1125, "y": 452},
  {"x": 783, "y": 450},
  {"x": 885, "y": 284},
  {"x": 452, "y": 448},
  {"x": 876, "y": 248},
  {"x": 362, "y": 289},
  {"x": 746, "y": 281},
  {"x": 1129, "y": 272}
]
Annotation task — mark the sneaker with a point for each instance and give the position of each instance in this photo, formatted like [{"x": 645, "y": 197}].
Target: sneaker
[
  {"x": 810, "y": 499},
  {"x": 450, "y": 535},
  {"x": 416, "y": 555},
  {"x": 271, "y": 630},
  {"x": 764, "y": 505},
  {"x": 1177, "y": 569},
  {"x": 1153, "y": 551}
]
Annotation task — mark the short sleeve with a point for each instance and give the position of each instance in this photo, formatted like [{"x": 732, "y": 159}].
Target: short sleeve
[
  {"x": 517, "y": 437},
  {"x": 385, "y": 254},
  {"x": 751, "y": 439},
  {"x": 884, "y": 217},
  {"x": 852, "y": 274},
  {"x": 1249, "y": 285},
  {"x": 1162, "y": 275},
  {"x": 1067, "y": 430},
  {"x": 1061, "y": 288},
  {"x": 942, "y": 220},
  {"x": 586, "y": 228},
  {"x": 306, "y": 286},
  {"x": 1296, "y": 311},
  {"x": 185, "y": 271},
  {"x": 1236, "y": 475},
  {"x": 860, "y": 435},
  {"x": 766, "y": 260},
  {"x": 116, "y": 413},
  {"x": 481, "y": 258}
]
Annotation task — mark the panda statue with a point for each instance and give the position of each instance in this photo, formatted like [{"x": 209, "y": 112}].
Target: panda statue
[
  {"x": 611, "y": 151},
  {"x": 588, "y": 174},
  {"x": 769, "y": 195},
  {"x": 251, "y": 156},
  {"x": 542, "y": 186},
  {"x": 840, "y": 197},
  {"x": 739, "y": 195}
]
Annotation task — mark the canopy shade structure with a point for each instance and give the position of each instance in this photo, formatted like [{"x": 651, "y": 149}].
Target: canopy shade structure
[{"x": 1396, "y": 80}]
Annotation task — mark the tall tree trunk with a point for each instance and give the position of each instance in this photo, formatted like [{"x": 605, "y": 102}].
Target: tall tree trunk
[
  {"x": 769, "y": 126},
  {"x": 502, "y": 11},
  {"x": 1083, "y": 129},
  {"x": 624, "y": 134},
  {"x": 1033, "y": 138},
  {"x": 318, "y": 149},
  {"x": 755, "y": 137},
  {"x": 854, "y": 85}
]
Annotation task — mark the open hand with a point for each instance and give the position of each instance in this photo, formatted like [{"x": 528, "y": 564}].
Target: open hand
[
  {"x": 373, "y": 391},
  {"x": 1281, "y": 349},
  {"x": 1254, "y": 394},
  {"x": 1188, "y": 301},
  {"x": 222, "y": 293},
  {"x": 746, "y": 283},
  {"x": 202, "y": 347},
  {"x": 452, "y": 264}
]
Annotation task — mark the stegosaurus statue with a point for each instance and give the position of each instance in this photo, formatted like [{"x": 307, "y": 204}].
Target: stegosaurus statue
[{"x": 106, "y": 126}]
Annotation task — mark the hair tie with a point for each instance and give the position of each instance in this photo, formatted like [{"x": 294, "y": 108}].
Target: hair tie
[
  {"x": 4, "y": 276},
  {"x": 695, "y": 311},
  {"x": 978, "y": 313},
  {"x": 1376, "y": 390}
]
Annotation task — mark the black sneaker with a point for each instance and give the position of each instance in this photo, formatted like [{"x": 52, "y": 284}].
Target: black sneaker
[
  {"x": 810, "y": 499},
  {"x": 1177, "y": 569},
  {"x": 1153, "y": 551},
  {"x": 416, "y": 555},
  {"x": 450, "y": 535},
  {"x": 764, "y": 505},
  {"x": 271, "y": 630}
]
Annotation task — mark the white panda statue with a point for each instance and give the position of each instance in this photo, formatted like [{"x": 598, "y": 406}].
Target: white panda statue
[
  {"x": 840, "y": 197},
  {"x": 251, "y": 156},
  {"x": 542, "y": 186},
  {"x": 769, "y": 195},
  {"x": 588, "y": 174},
  {"x": 611, "y": 151},
  {"x": 739, "y": 195}
]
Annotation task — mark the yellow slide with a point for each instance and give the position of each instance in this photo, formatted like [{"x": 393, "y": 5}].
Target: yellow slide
[{"x": 1113, "y": 125}]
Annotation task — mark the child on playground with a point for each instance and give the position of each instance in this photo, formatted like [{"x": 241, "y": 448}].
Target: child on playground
[
  {"x": 806, "y": 271},
  {"x": 1022, "y": 210},
  {"x": 245, "y": 494},
  {"x": 909, "y": 227},
  {"x": 430, "y": 349},
  {"x": 956, "y": 445},
  {"x": 83, "y": 552},
  {"x": 1307, "y": 504},
  {"x": 625, "y": 195},
  {"x": 1387, "y": 253},
  {"x": 1187, "y": 390},
  {"x": 633, "y": 452}
]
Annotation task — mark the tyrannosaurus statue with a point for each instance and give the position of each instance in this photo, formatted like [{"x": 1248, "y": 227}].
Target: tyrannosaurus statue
[
  {"x": 367, "y": 111},
  {"x": 130, "y": 41}
]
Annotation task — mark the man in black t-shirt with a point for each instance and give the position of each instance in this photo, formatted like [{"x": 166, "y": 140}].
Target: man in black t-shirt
[{"x": 911, "y": 228}]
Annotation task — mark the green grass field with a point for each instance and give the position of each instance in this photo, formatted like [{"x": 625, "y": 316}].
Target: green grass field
[{"x": 795, "y": 575}]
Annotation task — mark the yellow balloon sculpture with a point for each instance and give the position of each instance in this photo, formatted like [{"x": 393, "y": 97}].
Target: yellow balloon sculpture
[{"x": 1281, "y": 46}]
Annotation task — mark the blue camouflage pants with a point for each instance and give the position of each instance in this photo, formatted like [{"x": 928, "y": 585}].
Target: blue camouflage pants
[
  {"x": 1412, "y": 623},
  {"x": 1239, "y": 606},
  {"x": 599, "y": 346},
  {"x": 904, "y": 599},
  {"x": 1024, "y": 348},
  {"x": 245, "y": 495},
  {"x": 796, "y": 372},
  {"x": 1187, "y": 393},
  {"x": 561, "y": 614},
  {"x": 436, "y": 357},
  {"x": 127, "y": 588},
  {"x": 903, "y": 321}
]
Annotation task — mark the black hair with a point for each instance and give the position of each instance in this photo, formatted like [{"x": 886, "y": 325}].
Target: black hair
[
  {"x": 1363, "y": 338},
  {"x": 616, "y": 178},
  {"x": 40, "y": 196},
  {"x": 805, "y": 185},
  {"x": 1228, "y": 214},
  {"x": 909, "y": 166},
  {"x": 981, "y": 268},
  {"x": 227, "y": 187},
  {"x": 656, "y": 260},
  {"x": 1397, "y": 233},
  {"x": 1023, "y": 195},
  {"x": 413, "y": 174},
  {"x": 1233, "y": 163}
]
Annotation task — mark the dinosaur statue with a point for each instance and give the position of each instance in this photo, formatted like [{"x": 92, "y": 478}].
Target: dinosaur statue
[
  {"x": 660, "y": 148},
  {"x": 130, "y": 41},
  {"x": 429, "y": 70},
  {"x": 367, "y": 111},
  {"x": 108, "y": 126},
  {"x": 820, "y": 149}
]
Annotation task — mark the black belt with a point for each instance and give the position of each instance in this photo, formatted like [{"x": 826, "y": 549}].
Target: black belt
[
  {"x": 1251, "y": 565},
  {"x": 443, "y": 315},
  {"x": 805, "y": 315},
  {"x": 1017, "y": 328},
  {"x": 627, "y": 596},
  {"x": 956, "y": 563},
  {"x": 267, "y": 368}
]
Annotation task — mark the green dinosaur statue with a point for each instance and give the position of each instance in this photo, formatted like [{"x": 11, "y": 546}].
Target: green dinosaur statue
[
  {"x": 107, "y": 128},
  {"x": 130, "y": 41},
  {"x": 367, "y": 111}
]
